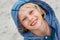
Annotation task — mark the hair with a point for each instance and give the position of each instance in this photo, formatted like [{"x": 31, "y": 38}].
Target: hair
[{"x": 23, "y": 29}]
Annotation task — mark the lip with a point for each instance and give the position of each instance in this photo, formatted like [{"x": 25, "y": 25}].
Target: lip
[{"x": 33, "y": 22}]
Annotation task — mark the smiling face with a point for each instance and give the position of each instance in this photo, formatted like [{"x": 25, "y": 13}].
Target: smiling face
[{"x": 30, "y": 17}]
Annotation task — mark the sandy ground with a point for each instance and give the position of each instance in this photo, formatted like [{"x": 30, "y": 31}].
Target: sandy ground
[{"x": 8, "y": 30}]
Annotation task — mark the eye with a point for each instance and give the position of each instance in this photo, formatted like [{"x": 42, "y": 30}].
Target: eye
[
  {"x": 31, "y": 12},
  {"x": 24, "y": 18}
]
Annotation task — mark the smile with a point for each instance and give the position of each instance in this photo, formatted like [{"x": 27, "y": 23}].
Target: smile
[{"x": 34, "y": 22}]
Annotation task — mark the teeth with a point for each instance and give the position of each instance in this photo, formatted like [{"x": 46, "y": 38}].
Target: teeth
[{"x": 33, "y": 23}]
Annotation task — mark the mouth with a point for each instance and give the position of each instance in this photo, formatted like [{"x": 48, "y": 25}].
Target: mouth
[{"x": 33, "y": 22}]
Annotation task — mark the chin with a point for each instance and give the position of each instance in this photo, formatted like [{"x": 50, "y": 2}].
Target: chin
[{"x": 35, "y": 27}]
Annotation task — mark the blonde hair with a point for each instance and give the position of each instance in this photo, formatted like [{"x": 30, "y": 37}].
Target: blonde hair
[{"x": 30, "y": 5}]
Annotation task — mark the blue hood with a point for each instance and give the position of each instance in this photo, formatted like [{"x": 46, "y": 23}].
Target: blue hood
[{"x": 50, "y": 15}]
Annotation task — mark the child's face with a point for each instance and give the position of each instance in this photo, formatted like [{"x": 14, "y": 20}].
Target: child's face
[{"x": 31, "y": 18}]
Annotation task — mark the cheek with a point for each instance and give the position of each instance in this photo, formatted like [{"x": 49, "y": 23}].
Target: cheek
[{"x": 25, "y": 24}]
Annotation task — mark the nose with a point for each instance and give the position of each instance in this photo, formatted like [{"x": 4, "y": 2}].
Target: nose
[{"x": 30, "y": 18}]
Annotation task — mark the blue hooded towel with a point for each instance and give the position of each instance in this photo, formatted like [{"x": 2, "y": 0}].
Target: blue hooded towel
[{"x": 50, "y": 18}]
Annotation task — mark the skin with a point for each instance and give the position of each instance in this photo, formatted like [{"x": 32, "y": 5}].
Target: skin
[{"x": 31, "y": 18}]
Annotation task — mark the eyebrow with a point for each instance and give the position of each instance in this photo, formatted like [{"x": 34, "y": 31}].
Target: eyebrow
[{"x": 31, "y": 11}]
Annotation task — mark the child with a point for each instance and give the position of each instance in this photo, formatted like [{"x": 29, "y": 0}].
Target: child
[{"x": 36, "y": 20}]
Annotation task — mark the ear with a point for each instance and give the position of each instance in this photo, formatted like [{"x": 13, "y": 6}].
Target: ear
[{"x": 40, "y": 9}]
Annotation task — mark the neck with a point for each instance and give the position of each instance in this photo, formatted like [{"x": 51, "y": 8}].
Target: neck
[{"x": 41, "y": 33}]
